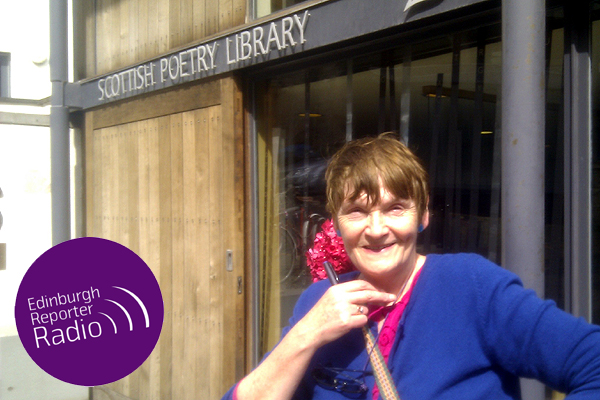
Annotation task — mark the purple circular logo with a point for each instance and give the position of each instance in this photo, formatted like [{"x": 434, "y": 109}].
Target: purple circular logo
[{"x": 89, "y": 311}]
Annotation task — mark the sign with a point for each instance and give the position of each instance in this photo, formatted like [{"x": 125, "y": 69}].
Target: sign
[
  {"x": 203, "y": 60},
  {"x": 322, "y": 24}
]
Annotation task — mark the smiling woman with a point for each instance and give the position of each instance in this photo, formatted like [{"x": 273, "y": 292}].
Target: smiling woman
[
  {"x": 446, "y": 326},
  {"x": 440, "y": 95},
  {"x": 305, "y": 116},
  {"x": 383, "y": 208}
]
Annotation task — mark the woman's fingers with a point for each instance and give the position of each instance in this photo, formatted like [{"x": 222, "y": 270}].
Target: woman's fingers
[
  {"x": 342, "y": 308},
  {"x": 356, "y": 285},
  {"x": 362, "y": 293}
]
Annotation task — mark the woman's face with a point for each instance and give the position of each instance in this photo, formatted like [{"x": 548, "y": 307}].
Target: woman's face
[{"x": 380, "y": 239}]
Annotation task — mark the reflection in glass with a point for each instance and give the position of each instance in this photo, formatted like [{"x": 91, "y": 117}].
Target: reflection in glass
[{"x": 442, "y": 97}]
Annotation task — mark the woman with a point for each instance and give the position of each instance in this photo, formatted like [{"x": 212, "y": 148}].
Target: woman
[{"x": 450, "y": 326}]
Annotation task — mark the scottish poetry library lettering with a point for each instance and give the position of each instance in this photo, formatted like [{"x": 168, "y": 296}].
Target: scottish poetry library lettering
[{"x": 199, "y": 61}]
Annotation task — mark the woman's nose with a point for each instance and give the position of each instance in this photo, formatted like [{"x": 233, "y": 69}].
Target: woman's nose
[{"x": 377, "y": 224}]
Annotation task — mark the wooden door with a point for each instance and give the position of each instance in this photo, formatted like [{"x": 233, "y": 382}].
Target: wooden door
[{"x": 171, "y": 188}]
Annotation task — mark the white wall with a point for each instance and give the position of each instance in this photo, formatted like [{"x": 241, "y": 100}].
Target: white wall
[
  {"x": 24, "y": 33},
  {"x": 25, "y": 182}
]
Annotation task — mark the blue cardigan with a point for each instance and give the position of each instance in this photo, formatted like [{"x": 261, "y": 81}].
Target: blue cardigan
[{"x": 469, "y": 331}]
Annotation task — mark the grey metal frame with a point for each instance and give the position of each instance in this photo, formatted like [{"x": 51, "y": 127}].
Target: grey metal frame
[
  {"x": 578, "y": 160},
  {"x": 4, "y": 74}
]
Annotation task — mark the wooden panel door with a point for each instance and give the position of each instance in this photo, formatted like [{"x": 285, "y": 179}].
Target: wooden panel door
[{"x": 171, "y": 189}]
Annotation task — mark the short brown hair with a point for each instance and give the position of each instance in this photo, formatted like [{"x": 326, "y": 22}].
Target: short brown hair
[{"x": 361, "y": 163}]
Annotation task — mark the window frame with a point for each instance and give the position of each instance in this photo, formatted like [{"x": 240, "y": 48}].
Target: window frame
[{"x": 5, "y": 74}]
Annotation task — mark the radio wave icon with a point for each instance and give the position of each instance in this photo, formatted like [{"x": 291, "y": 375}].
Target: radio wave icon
[{"x": 140, "y": 303}]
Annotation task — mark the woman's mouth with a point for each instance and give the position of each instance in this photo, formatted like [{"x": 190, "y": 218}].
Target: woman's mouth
[{"x": 379, "y": 248}]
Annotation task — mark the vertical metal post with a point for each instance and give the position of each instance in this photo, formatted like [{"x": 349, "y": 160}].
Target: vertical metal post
[
  {"x": 59, "y": 123},
  {"x": 254, "y": 297},
  {"x": 349, "y": 99},
  {"x": 453, "y": 175},
  {"x": 476, "y": 148},
  {"x": 523, "y": 126},
  {"x": 578, "y": 160}
]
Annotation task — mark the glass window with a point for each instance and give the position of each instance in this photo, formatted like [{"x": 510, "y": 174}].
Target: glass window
[
  {"x": 442, "y": 97},
  {"x": 266, "y": 7}
]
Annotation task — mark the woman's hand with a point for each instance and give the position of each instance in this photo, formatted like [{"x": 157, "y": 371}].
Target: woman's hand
[{"x": 342, "y": 308}]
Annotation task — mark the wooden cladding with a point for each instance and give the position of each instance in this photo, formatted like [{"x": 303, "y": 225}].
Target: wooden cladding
[
  {"x": 123, "y": 32},
  {"x": 171, "y": 188},
  {"x": 181, "y": 98}
]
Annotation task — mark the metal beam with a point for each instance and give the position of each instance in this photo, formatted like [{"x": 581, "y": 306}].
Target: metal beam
[{"x": 523, "y": 132}]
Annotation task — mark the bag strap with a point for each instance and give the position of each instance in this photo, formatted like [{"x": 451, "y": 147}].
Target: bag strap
[{"x": 386, "y": 386}]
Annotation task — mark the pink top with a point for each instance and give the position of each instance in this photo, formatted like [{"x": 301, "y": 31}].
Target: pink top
[{"x": 387, "y": 335}]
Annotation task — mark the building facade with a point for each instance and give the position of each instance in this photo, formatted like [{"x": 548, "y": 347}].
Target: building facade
[{"x": 207, "y": 127}]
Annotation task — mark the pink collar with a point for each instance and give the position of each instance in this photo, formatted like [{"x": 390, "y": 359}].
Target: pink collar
[{"x": 387, "y": 335}]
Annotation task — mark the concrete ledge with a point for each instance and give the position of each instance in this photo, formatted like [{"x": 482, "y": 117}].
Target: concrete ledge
[
  {"x": 25, "y": 102},
  {"x": 7, "y": 118}
]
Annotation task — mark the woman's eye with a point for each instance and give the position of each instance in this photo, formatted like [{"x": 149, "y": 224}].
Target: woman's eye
[
  {"x": 397, "y": 207},
  {"x": 355, "y": 211}
]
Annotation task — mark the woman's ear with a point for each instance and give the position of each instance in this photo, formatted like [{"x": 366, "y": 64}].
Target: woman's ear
[
  {"x": 336, "y": 225},
  {"x": 425, "y": 217}
]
